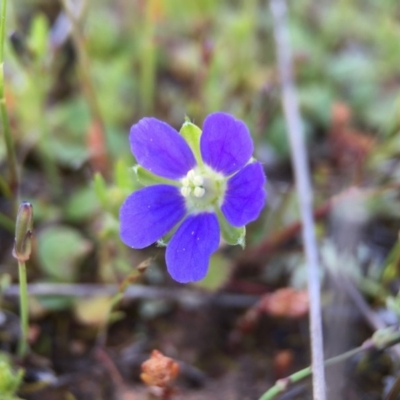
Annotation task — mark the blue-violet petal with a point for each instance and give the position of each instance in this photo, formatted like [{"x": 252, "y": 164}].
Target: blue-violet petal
[
  {"x": 190, "y": 248},
  {"x": 150, "y": 213},
  {"x": 245, "y": 195},
  {"x": 161, "y": 149},
  {"x": 225, "y": 143}
]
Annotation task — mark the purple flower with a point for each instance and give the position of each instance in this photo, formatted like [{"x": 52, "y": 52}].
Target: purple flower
[{"x": 199, "y": 185}]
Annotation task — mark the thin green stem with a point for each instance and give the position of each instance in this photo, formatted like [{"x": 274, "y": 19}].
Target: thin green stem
[
  {"x": 281, "y": 385},
  {"x": 47, "y": 158},
  {"x": 387, "y": 340},
  {"x": 102, "y": 334},
  {"x": 11, "y": 157},
  {"x": 116, "y": 299},
  {"x": 3, "y": 27},
  {"x": 84, "y": 67},
  {"x": 4, "y": 188},
  {"x": 84, "y": 73},
  {"x": 23, "y": 296}
]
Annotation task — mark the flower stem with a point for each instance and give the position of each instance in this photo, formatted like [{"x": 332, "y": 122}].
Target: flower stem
[
  {"x": 281, "y": 385},
  {"x": 11, "y": 157},
  {"x": 117, "y": 297},
  {"x": 23, "y": 295},
  {"x": 37, "y": 81}
]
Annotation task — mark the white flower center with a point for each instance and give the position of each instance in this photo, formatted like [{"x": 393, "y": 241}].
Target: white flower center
[
  {"x": 203, "y": 189},
  {"x": 192, "y": 184}
]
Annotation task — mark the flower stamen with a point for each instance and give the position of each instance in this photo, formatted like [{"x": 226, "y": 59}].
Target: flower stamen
[
  {"x": 185, "y": 191},
  {"x": 199, "y": 191},
  {"x": 203, "y": 189},
  {"x": 192, "y": 185}
]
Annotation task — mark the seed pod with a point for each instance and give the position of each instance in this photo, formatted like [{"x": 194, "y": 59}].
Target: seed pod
[
  {"x": 23, "y": 232},
  {"x": 159, "y": 370}
]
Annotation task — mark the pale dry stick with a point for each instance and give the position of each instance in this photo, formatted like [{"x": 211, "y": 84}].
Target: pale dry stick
[
  {"x": 62, "y": 27},
  {"x": 304, "y": 189},
  {"x": 185, "y": 297}
]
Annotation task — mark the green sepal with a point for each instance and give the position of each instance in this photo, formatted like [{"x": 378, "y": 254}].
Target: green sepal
[
  {"x": 232, "y": 235},
  {"x": 192, "y": 134},
  {"x": 163, "y": 242},
  {"x": 147, "y": 178},
  {"x": 123, "y": 175}
]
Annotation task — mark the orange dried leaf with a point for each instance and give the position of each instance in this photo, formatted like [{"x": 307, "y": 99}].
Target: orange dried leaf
[
  {"x": 347, "y": 146},
  {"x": 282, "y": 363},
  {"x": 97, "y": 147},
  {"x": 10, "y": 100},
  {"x": 156, "y": 10},
  {"x": 286, "y": 302},
  {"x": 159, "y": 370},
  {"x": 340, "y": 115}
]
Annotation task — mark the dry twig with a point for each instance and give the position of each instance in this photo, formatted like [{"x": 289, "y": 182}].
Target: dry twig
[
  {"x": 303, "y": 184},
  {"x": 186, "y": 297}
]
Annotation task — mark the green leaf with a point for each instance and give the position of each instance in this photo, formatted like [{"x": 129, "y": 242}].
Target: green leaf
[
  {"x": 69, "y": 151},
  {"x": 192, "y": 134},
  {"x": 116, "y": 316},
  {"x": 82, "y": 205},
  {"x": 390, "y": 269},
  {"x": 231, "y": 235},
  {"x": 56, "y": 303},
  {"x": 60, "y": 251},
  {"x": 38, "y": 37},
  {"x": 10, "y": 378},
  {"x": 111, "y": 197},
  {"x": 100, "y": 189},
  {"x": 94, "y": 311},
  {"x": 218, "y": 274}
]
